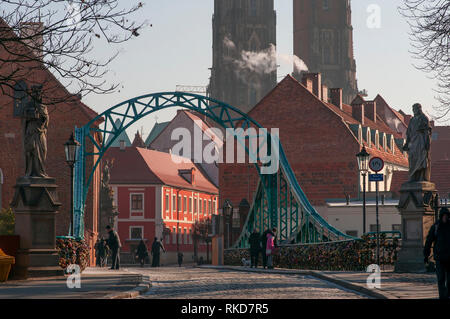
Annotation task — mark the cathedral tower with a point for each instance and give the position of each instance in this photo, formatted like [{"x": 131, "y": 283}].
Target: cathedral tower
[
  {"x": 323, "y": 38},
  {"x": 241, "y": 28}
]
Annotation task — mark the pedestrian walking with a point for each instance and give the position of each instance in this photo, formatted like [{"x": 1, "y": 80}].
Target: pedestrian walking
[
  {"x": 142, "y": 253},
  {"x": 255, "y": 248},
  {"x": 97, "y": 248},
  {"x": 180, "y": 258},
  {"x": 270, "y": 247},
  {"x": 156, "y": 252},
  {"x": 114, "y": 245},
  {"x": 263, "y": 246},
  {"x": 439, "y": 234}
]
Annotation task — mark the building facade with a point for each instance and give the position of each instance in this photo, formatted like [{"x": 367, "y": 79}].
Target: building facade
[
  {"x": 321, "y": 140},
  {"x": 323, "y": 39},
  {"x": 239, "y": 27},
  {"x": 158, "y": 197}
]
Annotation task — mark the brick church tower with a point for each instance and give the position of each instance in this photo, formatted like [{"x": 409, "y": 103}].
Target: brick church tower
[
  {"x": 323, "y": 38},
  {"x": 242, "y": 27}
]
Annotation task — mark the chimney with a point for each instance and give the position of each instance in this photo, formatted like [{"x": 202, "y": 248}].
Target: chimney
[
  {"x": 325, "y": 93},
  {"x": 336, "y": 97},
  {"x": 31, "y": 33},
  {"x": 358, "y": 109},
  {"x": 370, "y": 108},
  {"x": 316, "y": 79},
  {"x": 308, "y": 83}
]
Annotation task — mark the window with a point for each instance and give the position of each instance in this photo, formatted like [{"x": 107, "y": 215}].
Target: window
[
  {"x": 200, "y": 206},
  {"x": 190, "y": 236},
  {"x": 137, "y": 201},
  {"x": 174, "y": 202},
  {"x": 174, "y": 235},
  {"x": 179, "y": 203},
  {"x": 373, "y": 227},
  {"x": 195, "y": 205},
  {"x": 368, "y": 139},
  {"x": 136, "y": 232},
  {"x": 328, "y": 56},
  {"x": 204, "y": 206},
  {"x": 253, "y": 8},
  {"x": 20, "y": 98},
  {"x": 209, "y": 207},
  {"x": 353, "y": 233},
  {"x": 397, "y": 227},
  {"x": 326, "y": 4},
  {"x": 167, "y": 202},
  {"x": 190, "y": 204},
  {"x": 180, "y": 238},
  {"x": 185, "y": 204}
]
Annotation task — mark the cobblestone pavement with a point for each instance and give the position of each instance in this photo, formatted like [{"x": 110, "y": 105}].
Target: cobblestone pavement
[{"x": 190, "y": 283}]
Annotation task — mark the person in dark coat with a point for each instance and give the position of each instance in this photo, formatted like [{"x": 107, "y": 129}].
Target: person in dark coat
[
  {"x": 142, "y": 252},
  {"x": 255, "y": 247},
  {"x": 114, "y": 245},
  {"x": 100, "y": 252},
  {"x": 97, "y": 248},
  {"x": 439, "y": 234},
  {"x": 180, "y": 258},
  {"x": 264, "y": 245},
  {"x": 156, "y": 251}
]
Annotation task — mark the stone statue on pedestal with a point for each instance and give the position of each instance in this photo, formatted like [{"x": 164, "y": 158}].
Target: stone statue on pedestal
[
  {"x": 418, "y": 143},
  {"x": 35, "y": 201},
  {"x": 416, "y": 195}
]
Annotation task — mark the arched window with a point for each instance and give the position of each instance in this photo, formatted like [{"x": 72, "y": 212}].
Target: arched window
[
  {"x": 253, "y": 8},
  {"x": 20, "y": 97}
]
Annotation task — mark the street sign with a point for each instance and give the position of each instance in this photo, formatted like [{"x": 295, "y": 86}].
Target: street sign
[
  {"x": 376, "y": 164},
  {"x": 375, "y": 177}
]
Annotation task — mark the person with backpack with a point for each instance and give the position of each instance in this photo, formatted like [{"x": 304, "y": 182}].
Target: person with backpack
[{"x": 439, "y": 234}]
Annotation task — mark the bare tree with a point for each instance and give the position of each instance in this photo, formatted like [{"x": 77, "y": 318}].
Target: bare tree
[
  {"x": 430, "y": 35},
  {"x": 60, "y": 36}
]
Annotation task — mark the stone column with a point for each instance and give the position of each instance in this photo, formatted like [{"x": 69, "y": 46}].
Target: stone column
[
  {"x": 417, "y": 214},
  {"x": 35, "y": 205}
]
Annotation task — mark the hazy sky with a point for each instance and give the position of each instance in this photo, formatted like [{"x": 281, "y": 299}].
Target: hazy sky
[{"x": 178, "y": 50}]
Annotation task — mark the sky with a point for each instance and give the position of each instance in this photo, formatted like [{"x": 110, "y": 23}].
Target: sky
[{"x": 177, "y": 50}]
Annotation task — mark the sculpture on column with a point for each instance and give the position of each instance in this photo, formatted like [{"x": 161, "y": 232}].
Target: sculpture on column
[
  {"x": 35, "y": 125},
  {"x": 418, "y": 143}
]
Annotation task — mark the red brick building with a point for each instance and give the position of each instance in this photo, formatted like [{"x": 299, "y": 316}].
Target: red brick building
[
  {"x": 156, "y": 197},
  {"x": 321, "y": 136},
  {"x": 64, "y": 116}
]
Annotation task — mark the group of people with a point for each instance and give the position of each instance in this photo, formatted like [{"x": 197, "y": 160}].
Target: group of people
[
  {"x": 110, "y": 247},
  {"x": 264, "y": 244}
]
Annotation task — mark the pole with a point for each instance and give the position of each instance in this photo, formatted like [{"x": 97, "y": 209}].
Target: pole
[
  {"x": 364, "y": 203},
  {"x": 71, "y": 201},
  {"x": 378, "y": 227}
]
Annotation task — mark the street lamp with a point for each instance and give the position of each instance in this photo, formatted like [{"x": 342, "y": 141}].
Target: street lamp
[
  {"x": 227, "y": 211},
  {"x": 363, "y": 167},
  {"x": 71, "y": 149}
]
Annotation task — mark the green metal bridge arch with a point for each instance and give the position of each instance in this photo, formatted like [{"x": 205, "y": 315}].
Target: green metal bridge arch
[{"x": 278, "y": 201}]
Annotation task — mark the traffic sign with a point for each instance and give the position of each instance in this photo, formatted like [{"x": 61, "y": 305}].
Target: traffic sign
[
  {"x": 375, "y": 177},
  {"x": 376, "y": 164}
]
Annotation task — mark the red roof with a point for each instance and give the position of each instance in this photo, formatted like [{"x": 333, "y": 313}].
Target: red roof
[{"x": 137, "y": 165}]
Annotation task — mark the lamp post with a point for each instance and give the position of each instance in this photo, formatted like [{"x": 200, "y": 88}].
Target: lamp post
[
  {"x": 71, "y": 149},
  {"x": 363, "y": 167},
  {"x": 227, "y": 211}
]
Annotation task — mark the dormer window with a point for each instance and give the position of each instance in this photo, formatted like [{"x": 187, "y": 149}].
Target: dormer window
[{"x": 188, "y": 175}]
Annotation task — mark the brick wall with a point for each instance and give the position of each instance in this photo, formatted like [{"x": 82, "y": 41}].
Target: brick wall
[{"x": 319, "y": 146}]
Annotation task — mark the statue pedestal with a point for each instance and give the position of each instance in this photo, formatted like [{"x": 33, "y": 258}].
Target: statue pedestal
[
  {"x": 417, "y": 215},
  {"x": 35, "y": 205}
]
